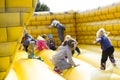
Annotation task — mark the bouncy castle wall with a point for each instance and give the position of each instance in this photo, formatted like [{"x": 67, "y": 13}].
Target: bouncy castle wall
[
  {"x": 13, "y": 14},
  {"x": 39, "y": 23},
  {"x": 87, "y": 24},
  {"x": 80, "y": 25}
]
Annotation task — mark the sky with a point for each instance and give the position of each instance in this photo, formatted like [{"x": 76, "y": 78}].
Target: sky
[{"x": 76, "y": 5}]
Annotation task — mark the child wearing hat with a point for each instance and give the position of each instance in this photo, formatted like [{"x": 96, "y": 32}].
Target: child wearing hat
[{"x": 51, "y": 42}]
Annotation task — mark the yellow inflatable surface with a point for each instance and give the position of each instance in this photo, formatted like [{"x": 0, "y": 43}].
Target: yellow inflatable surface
[
  {"x": 31, "y": 69},
  {"x": 83, "y": 72},
  {"x": 14, "y": 64}
]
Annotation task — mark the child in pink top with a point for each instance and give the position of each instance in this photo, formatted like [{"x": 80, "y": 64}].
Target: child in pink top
[{"x": 41, "y": 44}]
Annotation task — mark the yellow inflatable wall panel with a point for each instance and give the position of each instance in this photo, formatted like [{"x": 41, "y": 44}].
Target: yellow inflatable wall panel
[
  {"x": 50, "y": 17},
  {"x": 109, "y": 27},
  {"x": 5, "y": 63},
  {"x": 104, "y": 11},
  {"x": 46, "y": 22},
  {"x": 96, "y": 18},
  {"x": 18, "y": 19},
  {"x": 91, "y": 13},
  {"x": 98, "y": 12},
  {"x": 110, "y": 16},
  {"x": 39, "y": 18},
  {"x": 20, "y": 5},
  {"x": 2, "y": 5},
  {"x": 25, "y": 18},
  {"x": 116, "y": 26},
  {"x": 59, "y": 16},
  {"x": 13, "y": 19},
  {"x": 35, "y": 23},
  {"x": 3, "y": 35},
  {"x": 2, "y": 74},
  {"x": 112, "y": 9},
  {"x": 14, "y": 33},
  {"x": 36, "y": 32},
  {"x": 118, "y": 7}
]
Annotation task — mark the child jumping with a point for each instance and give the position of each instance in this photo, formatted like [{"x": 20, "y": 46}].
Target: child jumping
[
  {"x": 60, "y": 27},
  {"x": 106, "y": 46}
]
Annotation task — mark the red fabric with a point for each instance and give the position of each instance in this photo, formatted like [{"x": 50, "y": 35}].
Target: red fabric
[
  {"x": 57, "y": 70},
  {"x": 41, "y": 44}
]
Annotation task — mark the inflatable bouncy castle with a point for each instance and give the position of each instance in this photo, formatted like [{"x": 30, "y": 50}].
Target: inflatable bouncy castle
[{"x": 17, "y": 15}]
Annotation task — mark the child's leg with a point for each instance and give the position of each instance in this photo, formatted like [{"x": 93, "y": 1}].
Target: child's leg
[
  {"x": 73, "y": 51},
  {"x": 31, "y": 50},
  {"x": 111, "y": 56},
  {"x": 31, "y": 55},
  {"x": 78, "y": 50},
  {"x": 103, "y": 66},
  {"x": 103, "y": 60}
]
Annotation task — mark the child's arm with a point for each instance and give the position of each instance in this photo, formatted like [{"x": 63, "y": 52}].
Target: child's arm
[
  {"x": 50, "y": 25},
  {"x": 97, "y": 40}
]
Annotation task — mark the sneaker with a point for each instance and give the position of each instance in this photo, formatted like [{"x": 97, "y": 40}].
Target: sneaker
[
  {"x": 31, "y": 56},
  {"x": 39, "y": 58},
  {"x": 114, "y": 64},
  {"x": 57, "y": 70},
  {"x": 102, "y": 68}
]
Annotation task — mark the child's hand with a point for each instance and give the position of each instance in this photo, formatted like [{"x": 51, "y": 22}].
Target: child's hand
[
  {"x": 94, "y": 42},
  {"x": 49, "y": 26}
]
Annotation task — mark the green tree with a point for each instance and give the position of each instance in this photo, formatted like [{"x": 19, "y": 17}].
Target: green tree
[{"x": 41, "y": 7}]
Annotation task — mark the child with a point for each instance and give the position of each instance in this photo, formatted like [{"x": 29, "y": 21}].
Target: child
[
  {"x": 60, "y": 27},
  {"x": 59, "y": 59},
  {"x": 31, "y": 48},
  {"x": 67, "y": 37},
  {"x": 106, "y": 46},
  {"x": 41, "y": 44},
  {"x": 51, "y": 42},
  {"x": 26, "y": 40}
]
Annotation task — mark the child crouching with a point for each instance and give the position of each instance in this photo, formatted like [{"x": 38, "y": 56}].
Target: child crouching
[{"x": 62, "y": 60}]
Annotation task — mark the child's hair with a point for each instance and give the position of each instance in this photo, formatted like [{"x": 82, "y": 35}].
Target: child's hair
[
  {"x": 67, "y": 37},
  {"x": 65, "y": 43},
  {"x": 40, "y": 38},
  {"x": 53, "y": 19},
  {"x": 70, "y": 43},
  {"x": 102, "y": 32},
  {"x": 44, "y": 36}
]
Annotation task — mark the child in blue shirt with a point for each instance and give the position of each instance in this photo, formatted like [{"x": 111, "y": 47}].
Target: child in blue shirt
[{"x": 106, "y": 46}]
